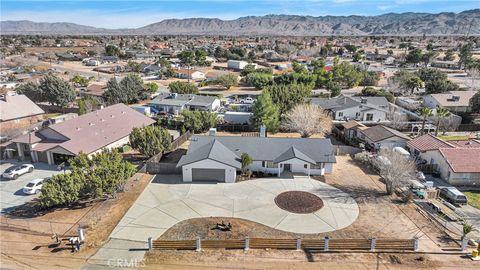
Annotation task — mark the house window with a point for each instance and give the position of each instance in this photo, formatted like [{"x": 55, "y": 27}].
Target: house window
[
  {"x": 305, "y": 166},
  {"x": 317, "y": 166},
  {"x": 369, "y": 117},
  {"x": 357, "y": 115},
  {"x": 269, "y": 164},
  {"x": 340, "y": 114}
]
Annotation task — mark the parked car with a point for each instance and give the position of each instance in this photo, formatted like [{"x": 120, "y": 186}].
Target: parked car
[
  {"x": 15, "y": 171},
  {"x": 34, "y": 186},
  {"x": 248, "y": 100},
  {"x": 453, "y": 195}
]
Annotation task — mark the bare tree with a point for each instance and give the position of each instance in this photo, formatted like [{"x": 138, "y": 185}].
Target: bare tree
[
  {"x": 308, "y": 119},
  {"x": 395, "y": 169}
]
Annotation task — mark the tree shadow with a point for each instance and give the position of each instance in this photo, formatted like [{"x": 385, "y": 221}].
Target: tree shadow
[{"x": 362, "y": 193}]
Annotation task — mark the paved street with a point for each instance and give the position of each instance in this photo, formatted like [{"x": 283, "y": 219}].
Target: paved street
[{"x": 11, "y": 194}]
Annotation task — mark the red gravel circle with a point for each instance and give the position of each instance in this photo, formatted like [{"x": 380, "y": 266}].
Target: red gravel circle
[{"x": 299, "y": 202}]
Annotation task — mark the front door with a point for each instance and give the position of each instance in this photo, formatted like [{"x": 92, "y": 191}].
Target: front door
[{"x": 287, "y": 167}]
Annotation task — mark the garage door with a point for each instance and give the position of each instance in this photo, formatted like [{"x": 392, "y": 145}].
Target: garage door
[{"x": 217, "y": 175}]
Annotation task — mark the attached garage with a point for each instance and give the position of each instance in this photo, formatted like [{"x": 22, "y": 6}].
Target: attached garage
[{"x": 214, "y": 175}]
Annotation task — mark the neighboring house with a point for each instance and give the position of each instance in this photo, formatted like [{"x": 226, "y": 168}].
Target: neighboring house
[
  {"x": 365, "y": 109},
  {"x": 445, "y": 64},
  {"x": 423, "y": 146},
  {"x": 94, "y": 90},
  {"x": 383, "y": 137},
  {"x": 18, "y": 112},
  {"x": 191, "y": 74},
  {"x": 458, "y": 166},
  {"x": 457, "y": 161},
  {"x": 216, "y": 158},
  {"x": 238, "y": 64},
  {"x": 351, "y": 129},
  {"x": 455, "y": 101},
  {"x": 89, "y": 133},
  {"x": 174, "y": 103}
]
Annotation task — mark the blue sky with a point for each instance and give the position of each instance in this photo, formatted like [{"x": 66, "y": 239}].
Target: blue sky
[{"x": 119, "y": 14}]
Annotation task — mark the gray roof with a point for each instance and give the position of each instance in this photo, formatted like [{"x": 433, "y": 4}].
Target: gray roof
[
  {"x": 169, "y": 99},
  {"x": 291, "y": 153},
  {"x": 342, "y": 102},
  {"x": 213, "y": 150},
  {"x": 379, "y": 133},
  {"x": 259, "y": 148}
]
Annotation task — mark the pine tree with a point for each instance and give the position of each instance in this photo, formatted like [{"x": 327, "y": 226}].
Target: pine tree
[{"x": 265, "y": 113}]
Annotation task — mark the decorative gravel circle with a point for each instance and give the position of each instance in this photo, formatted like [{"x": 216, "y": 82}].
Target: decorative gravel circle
[{"x": 299, "y": 202}]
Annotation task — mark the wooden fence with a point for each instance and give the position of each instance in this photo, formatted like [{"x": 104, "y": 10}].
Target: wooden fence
[
  {"x": 326, "y": 244},
  {"x": 153, "y": 165}
]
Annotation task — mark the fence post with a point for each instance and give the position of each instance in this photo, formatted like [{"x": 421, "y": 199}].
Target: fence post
[
  {"x": 198, "y": 244},
  {"x": 415, "y": 244},
  {"x": 247, "y": 243},
  {"x": 298, "y": 244},
  {"x": 373, "y": 241},
  {"x": 464, "y": 244},
  {"x": 150, "y": 244},
  {"x": 325, "y": 244}
]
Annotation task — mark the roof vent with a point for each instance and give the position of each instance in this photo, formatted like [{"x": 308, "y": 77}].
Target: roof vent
[
  {"x": 78, "y": 128},
  {"x": 123, "y": 112},
  {"x": 91, "y": 124},
  {"x": 112, "y": 116}
]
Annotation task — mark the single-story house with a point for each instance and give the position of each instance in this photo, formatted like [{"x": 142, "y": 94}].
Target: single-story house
[
  {"x": 238, "y": 64},
  {"x": 352, "y": 128},
  {"x": 218, "y": 158},
  {"x": 191, "y": 74},
  {"x": 365, "y": 109},
  {"x": 17, "y": 112},
  {"x": 423, "y": 146},
  {"x": 458, "y": 166},
  {"x": 454, "y": 101},
  {"x": 380, "y": 136},
  {"x": 90, "y": 133},
  {"x": 174, "y": 103},
  {"x": 457, "y": 161}
]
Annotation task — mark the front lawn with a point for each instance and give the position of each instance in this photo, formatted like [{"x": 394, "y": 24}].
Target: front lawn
[
  {"x": 473, "y": 198},
  {"x": 454, "y": 138}
]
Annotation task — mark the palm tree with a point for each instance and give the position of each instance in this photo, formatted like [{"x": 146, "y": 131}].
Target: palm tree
[
  {"x": 442, "y": 113},
  {"x": 424, "y": 113}
]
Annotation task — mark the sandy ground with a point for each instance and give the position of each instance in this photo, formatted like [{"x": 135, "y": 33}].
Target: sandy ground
[
  {"x": 380, "y": 215},
  {"x": 27, "y": 243}
]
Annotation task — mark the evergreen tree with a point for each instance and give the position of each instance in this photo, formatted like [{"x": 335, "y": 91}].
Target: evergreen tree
[
  {"x": 150, "y": 140},
  {"x": 56, "y": 91},
  {"x": 265, "y": 113}
]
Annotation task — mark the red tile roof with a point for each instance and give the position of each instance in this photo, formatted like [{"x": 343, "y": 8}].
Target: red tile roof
[
  {"x": 466, "y": 143},
  {"x": 428, "y": 142},
  {"x": 462, "y": 160}
]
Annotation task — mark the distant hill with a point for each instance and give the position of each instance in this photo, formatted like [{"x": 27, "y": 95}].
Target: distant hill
[{"x": 410, "y": 23}]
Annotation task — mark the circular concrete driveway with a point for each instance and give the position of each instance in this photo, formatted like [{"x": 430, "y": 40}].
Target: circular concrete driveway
[{"x": 167, "y": 201}]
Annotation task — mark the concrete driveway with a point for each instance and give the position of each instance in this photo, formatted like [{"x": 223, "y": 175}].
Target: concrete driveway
[
  {"x": 11, "y": 194},
  {"x": 167, "y": 201}
]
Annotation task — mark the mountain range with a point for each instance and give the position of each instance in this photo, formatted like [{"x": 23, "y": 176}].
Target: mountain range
[{"x": 410, "y": 23}]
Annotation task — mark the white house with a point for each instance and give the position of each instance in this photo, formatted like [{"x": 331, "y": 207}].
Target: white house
[
  {"x": 174, "y": 103},
  {"x": 191, "y": 74},
  {"x": 218, "y": 158},
  {"x": 383, "y": 137},
  {"x": 238, "y": 64},
  {"x": 455, "y": 101},
  {"x": 364, "y": 109}
]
